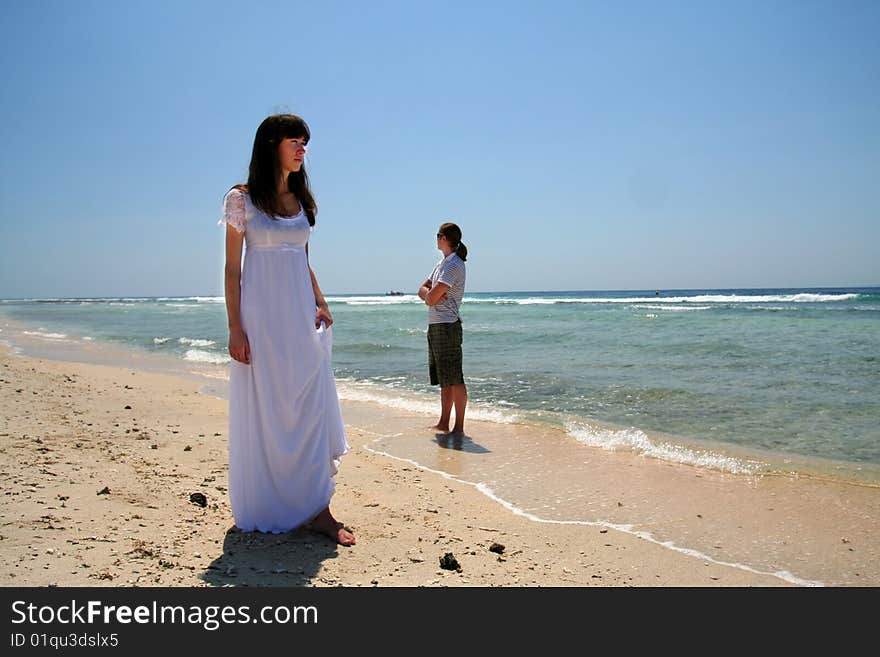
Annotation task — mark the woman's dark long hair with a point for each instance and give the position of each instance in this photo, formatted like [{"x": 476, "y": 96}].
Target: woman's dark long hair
[
  {"x": 452, "y": 233},
  {"x": 263, "y": 172}
]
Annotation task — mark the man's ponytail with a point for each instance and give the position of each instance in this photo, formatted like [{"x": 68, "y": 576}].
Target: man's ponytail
[
  {"x": 452, "y": 233},
  {"x": 461, "y": 251}
]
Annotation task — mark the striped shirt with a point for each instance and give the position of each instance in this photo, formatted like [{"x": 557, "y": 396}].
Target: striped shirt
[{"x": 451, "y": 271}]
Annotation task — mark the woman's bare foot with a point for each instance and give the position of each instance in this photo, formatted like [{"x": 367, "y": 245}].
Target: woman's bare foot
[
  {"x": 326, "y": 524},
  {"x": 441, "y": 427}
]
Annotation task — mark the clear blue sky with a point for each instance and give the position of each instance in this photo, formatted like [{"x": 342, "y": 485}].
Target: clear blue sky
[{"x": 579, "y": 145}]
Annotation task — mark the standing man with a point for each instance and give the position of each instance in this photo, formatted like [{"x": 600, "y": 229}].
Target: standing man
[{"x": 443, "y": 292}]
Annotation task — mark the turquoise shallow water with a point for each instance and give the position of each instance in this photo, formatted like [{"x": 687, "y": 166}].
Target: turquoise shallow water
[{"x": 793, "y": 371}]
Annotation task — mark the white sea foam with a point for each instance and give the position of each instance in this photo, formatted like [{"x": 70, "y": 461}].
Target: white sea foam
[
  {"x": 115, "y": 299},
  {"x": 784, "y": 575},
  {"x": 62, "y": 300},
  {"x": 88, "y": 338},
  {"x": 701, "y": 298},
  {"x": 670, "y": 308},
  {"x": 376, "y": 300},
  {"x": 42, "y": 333},
  {"x": 196, "y": 299},
  {"x": 195, "y": 342},
  {"x": 637, "y": 441},
  {"x": 200, "y": 356},
  {"x": 160, "y": 340},
  {"x": 386, "y": 395}
]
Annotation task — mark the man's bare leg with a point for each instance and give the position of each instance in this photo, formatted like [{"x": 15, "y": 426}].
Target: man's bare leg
[
  {"x": 459, "y": 399},
  {"x": 446, "y": 402}
]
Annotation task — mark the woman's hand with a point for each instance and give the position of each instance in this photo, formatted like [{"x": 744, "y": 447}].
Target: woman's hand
[
  {"x": 424, "y": 289},
  {"x": 239, "y": 347},
  {"x": 322, "y": 314}
]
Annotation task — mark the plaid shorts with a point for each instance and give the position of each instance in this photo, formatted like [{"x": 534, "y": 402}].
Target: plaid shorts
[{"x": 444, "y": 354}]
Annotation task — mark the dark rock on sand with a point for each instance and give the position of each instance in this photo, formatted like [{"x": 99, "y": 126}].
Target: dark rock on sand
[
  {"x": 198, "y": 498},
  {"x": 449, "y": 562}
]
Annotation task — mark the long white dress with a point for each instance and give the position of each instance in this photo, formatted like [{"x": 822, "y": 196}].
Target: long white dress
[{"x": 286, "y": 434}]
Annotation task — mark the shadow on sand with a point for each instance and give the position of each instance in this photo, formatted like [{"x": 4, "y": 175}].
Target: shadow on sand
[
  {"x": 462, "y": 443},
  {"x": 257, "y": 559}
]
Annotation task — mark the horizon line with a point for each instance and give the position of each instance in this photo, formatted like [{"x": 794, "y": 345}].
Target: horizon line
[{"x": 385, "y": 293}]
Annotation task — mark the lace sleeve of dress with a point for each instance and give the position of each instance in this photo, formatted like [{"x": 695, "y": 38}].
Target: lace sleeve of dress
[{"x": 234, "y": 211}]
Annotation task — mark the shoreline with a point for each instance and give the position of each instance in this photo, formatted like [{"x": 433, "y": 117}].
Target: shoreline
[
  {"x": 800, "y": 529},
  {"x": 405, "y": 514},
  {"x": 695, "y": 452}
]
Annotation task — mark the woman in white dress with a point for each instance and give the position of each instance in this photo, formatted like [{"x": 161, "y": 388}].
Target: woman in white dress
[{"x": 286, "y": 434}]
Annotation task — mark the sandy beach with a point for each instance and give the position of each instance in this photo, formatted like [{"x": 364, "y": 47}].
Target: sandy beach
[{"x": 100, "y": 465}]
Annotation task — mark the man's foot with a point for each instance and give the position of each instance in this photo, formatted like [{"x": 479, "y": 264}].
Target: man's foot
[
  {"x": 441, "y": 427},
  {"x": 326, "y": 524}
]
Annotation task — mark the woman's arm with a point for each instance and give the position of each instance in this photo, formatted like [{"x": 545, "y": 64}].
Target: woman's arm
[
  {"x": 239, "y": 348},
  {"x": 435, "y": 294},
  {"x": 322, "y": 309},
  {"x": 424, "y": 289}
]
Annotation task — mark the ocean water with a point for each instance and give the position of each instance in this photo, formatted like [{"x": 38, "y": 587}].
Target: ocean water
[{"x": 718, "y": 378}]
